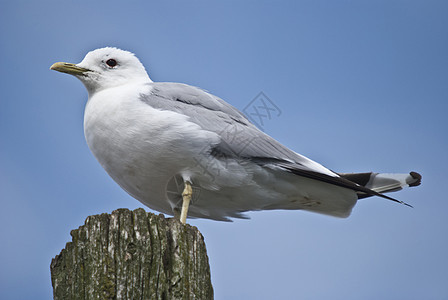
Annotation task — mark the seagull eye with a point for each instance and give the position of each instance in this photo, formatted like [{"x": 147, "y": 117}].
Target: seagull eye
[{"x": 111, "y": 62}]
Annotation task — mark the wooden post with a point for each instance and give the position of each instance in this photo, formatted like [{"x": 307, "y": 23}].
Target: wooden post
[{"x": 132, "y": 255}]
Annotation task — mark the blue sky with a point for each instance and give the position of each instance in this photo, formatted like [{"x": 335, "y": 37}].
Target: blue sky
[{"x": 361, "y": 85}]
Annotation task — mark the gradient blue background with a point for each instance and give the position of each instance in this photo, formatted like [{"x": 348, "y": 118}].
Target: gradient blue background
[{"x": 362, "y": 85}]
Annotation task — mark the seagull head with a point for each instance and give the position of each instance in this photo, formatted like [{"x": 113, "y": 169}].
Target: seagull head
[{"x": 105, "y": 68}]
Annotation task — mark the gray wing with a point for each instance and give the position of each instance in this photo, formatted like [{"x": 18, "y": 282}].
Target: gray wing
[
  {"x": 238, "y": 135},
  {"x": 240, "y": 139}
]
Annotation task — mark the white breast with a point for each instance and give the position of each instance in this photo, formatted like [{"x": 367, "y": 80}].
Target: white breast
[{"x": 140, "y": 147}]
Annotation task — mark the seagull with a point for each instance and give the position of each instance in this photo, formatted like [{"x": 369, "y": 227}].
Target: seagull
[{"x": 185, "y": 152}]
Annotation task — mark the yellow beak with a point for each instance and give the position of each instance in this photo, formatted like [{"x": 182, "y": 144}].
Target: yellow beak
[{"x": 68, "y": 68}]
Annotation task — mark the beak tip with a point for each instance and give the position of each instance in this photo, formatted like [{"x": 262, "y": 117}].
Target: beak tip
[{"x": 56, "y": 66}]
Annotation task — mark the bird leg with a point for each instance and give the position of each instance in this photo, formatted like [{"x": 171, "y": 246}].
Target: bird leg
[{"x": 186, "y": 198}]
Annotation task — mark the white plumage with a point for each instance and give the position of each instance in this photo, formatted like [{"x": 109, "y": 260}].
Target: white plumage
[{"x": 152, "y": 137}]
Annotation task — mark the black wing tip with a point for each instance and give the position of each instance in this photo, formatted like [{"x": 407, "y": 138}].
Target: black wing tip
[
  {"x": 417, "y": 177},
  {"x": 395, "y": 200},
  {"x": 406, "y": 204}
]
